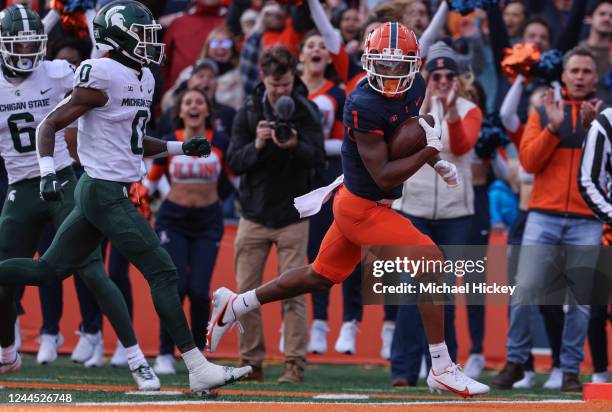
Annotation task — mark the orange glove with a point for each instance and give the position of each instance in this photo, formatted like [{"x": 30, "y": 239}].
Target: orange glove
[{"x": 139, "y": 196}]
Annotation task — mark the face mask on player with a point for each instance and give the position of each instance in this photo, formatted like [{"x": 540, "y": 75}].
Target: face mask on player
[
  {"x": 148, "y": 49},
  {"x": 23, "y": 53},
  {"x": 391, "y": 59}
]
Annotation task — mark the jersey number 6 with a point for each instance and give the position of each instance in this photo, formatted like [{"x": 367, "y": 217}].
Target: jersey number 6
[{"x": 14, "y": 121}]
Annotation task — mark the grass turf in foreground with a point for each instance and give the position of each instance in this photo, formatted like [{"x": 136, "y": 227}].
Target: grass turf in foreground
[{"x": 357, "y": 384}]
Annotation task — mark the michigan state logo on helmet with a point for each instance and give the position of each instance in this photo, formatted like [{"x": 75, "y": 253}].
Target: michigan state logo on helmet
[
  {"x": 23, "y": 42},
  {"x": 128, "y": 27}
]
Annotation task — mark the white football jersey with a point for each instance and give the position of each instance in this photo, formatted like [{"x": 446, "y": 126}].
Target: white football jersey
[
  {"x": 22, "y": 108},
  {"x": 110, "y": 137}
]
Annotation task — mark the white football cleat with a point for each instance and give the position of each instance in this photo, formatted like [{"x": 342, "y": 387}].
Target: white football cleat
[
  {"x": 11, "y": 367},
  {"x": 527, "y": 382},
  {"x": 119, "y": 359},
  {"x": 346, "y": 339},
  {"x": 555, "y": 380},
  {"x": 210, "y": 376},
  {"x": 164, "y": 365},
  {"x": 85, "y": 347},
  {"x": 386, "y": 334},
  {"x": 97, "y": 358},
  {"x": 474, "y": 365},
  {"x": 145, "y": 378},
  {"x": 318, "y": 337},
  {"x": 47, "y": 352},
  {"x": 222, "y": 318},
  {"x": 454, "y": 380}
]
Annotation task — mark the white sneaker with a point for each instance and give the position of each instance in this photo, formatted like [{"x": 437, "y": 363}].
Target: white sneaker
[
  {"x": 555, "y": 380},
  {"x": 423, "y": 369},
  {"x": 47, "y": 352},
  {"x": 527, "y": 382},
  {"x": 599, "y": 377},
  {"x": 164, "y": 365},
  {"x": 17, "y": 335},
  {"x": 474, "y": 365},
  {"x": 84, "y": 348},
  {"x": 222, "y": 318},
  {"x": 97, "y": 358},
  {"x": 145, "y": 378},
  {"x": 346, "y": 339},
  {"x": 318, "y": 337},
  {"x": 281, "y": 341},
  {"x": 386, "y": 335},
  {"x": 119, "y": 359},
  {"x": 454, "y": 380},
  {"x": 11, "y": 367},
  {"x": 210, "y": 376}
]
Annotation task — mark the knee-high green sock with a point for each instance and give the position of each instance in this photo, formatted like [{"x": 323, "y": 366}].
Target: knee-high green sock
[
  {"x": 169, "y": 308},
  {"x": 110, "y": 300},
  {"x": 23, "y": 271}
]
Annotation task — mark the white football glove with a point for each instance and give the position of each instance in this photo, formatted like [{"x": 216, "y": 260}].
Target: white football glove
[
  {"x": 448, "y": 172},
  {"x": 432, "y": 134}
]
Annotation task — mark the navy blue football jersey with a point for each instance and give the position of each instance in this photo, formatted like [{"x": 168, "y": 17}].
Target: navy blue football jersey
[{"x": 368, "y": 111}]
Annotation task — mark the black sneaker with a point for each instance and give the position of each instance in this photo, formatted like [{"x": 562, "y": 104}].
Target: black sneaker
[
  {"x": 512, "y": 372},
  {"x": 571, "y": 383}
]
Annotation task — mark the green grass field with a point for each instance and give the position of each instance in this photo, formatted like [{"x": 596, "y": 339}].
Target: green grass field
[{"x": 348, "y": 382}]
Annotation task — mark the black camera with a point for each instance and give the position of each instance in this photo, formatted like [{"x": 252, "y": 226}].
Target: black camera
[{"x": 284, "y": 109}]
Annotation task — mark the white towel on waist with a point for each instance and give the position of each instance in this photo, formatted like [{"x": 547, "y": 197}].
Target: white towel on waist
[{"x": 310, "y": 203}]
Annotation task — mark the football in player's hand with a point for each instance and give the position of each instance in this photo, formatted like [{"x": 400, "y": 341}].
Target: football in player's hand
[{"x": 408, "y": 138}]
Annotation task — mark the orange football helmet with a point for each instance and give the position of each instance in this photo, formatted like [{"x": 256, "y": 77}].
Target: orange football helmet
[{"x": 391, "y": 58}]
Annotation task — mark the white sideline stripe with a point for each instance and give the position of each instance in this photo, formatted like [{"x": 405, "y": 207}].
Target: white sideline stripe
[
  {"x": 347, "y": 396},
  {"x": 154, "y": 393},
  {"x": 420, "y": 403}
]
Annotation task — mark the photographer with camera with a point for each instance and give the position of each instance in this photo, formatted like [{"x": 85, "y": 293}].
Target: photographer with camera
[{"x": 277, "y": 141}]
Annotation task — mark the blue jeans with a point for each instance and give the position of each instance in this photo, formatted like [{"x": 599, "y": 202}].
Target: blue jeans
[
  {"x": 534, "y": 269},
  {"x": 409, "y": 342}
]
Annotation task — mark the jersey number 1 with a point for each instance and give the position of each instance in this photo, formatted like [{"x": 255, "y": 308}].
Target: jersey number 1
[
  {"x": 14, "y": 122},
  {"x": 138, "y": 130}
]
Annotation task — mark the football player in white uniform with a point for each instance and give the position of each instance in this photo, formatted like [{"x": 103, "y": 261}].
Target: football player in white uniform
[
  {"x": 29, "y": 89},
  {"x": 111, "y": 100}
]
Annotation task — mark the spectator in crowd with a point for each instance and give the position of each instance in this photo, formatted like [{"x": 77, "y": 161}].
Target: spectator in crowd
[
  {"x": 444, "y": 213},
  {"x": 594, "y": 179},
  {"x": 515, "y": 15},
  {"x": 598, "y": 42},
  {"x": 274, "y": 169},
  {"x": 550, "y": 148},
  {"x": 190, "y": 221},
  {"x": 274, "y": 28},
  {"x": 350, "y": 24},
  {"x": 201, "y": 75},
  {"x": 220, "y": 48},
  {"x": 553, "y": 315},
  {"x": 186, "y": 35}
]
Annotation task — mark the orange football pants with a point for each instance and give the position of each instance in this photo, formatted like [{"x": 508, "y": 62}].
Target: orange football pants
[{"x": 361, "y": 222}]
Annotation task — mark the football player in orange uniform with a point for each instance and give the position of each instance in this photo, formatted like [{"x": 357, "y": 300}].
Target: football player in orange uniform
[{"x": 392, "y": 93}]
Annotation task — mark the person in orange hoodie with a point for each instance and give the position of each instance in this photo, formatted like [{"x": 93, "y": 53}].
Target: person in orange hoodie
[{"x": 551, "y": 148}]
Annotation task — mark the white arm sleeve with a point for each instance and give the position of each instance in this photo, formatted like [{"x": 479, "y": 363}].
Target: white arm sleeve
[
  {"x": 333, "y": 147},
  {"x": 330, "y": 36},
  {"x": 430, "y": 34},
  {"x": 509, "y": 107},
  {"x": 50, "y": 20}
]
